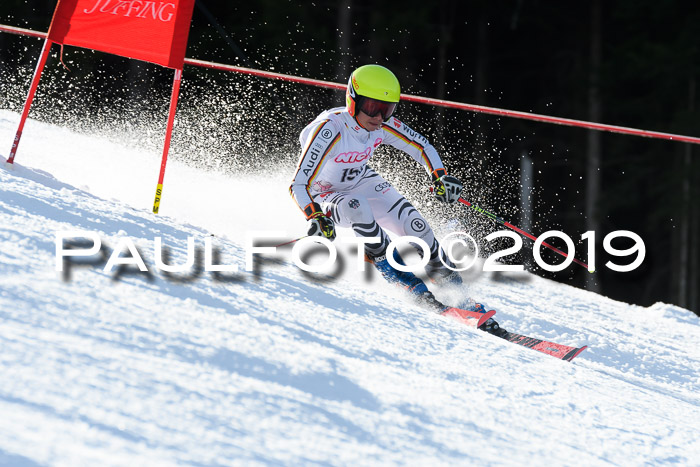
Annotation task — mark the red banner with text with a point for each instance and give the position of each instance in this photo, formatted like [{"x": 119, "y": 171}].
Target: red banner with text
[{"x": 153, "y": 31}]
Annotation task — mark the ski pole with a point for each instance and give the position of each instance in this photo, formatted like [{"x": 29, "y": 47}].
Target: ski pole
[
  {"x": 502, "y": 222},
  {"x": 289, "y": 242},
  {"x": 328, "y": 214}
]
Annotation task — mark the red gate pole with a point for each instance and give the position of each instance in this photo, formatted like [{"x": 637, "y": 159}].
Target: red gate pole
[
  {"x": 168, "y": 133},
  {"x": 30, "y": 97}
]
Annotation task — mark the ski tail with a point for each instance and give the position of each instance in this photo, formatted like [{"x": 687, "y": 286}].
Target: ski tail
[
  {"x": 470, "y": 318},
  {"x": 574, "y": 353},
  {"x": 560, "y": 351}
]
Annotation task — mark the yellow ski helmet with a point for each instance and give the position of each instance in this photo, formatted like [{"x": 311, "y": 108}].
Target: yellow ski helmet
[{"x": 373, "y": 89}]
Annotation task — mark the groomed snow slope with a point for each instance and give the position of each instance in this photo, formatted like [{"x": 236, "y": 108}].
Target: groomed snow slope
[{"x": 278, "y": 368}]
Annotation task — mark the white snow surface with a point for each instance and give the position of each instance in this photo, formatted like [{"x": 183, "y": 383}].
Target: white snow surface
[{"x": 278, "y": 367}]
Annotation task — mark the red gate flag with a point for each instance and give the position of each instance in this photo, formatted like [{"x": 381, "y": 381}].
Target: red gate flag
[{"x": 152, "y": 31}]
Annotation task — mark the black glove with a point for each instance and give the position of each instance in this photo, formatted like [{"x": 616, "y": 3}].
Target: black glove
[
  {"x": 320, "y": 224},
  {"x": 447, "y": 189}
]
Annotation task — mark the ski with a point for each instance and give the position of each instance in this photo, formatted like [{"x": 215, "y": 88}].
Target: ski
[
  {"x": 560, "y": 351},
  {"x": 477, "y": 318},
  {"x": 470, "y": 318}
]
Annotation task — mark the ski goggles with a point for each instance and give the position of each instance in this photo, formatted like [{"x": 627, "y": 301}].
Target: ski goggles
[{"x": 372, "y": 108}]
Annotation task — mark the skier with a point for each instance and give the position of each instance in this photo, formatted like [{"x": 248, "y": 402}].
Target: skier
[{"x": 333, "y": 185}]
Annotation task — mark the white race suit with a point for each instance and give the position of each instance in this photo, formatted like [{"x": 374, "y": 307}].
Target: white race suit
[{"x": 333, "y": 172}]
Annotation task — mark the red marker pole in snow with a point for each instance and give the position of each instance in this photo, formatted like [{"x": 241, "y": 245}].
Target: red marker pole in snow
[
  {"x": 30, "y": 97},
  {"x": 168, "y": 134}
]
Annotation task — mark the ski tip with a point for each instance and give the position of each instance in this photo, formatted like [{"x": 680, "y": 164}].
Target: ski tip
[
  {"x": 486, "y": 316},
  {"x": 472, "y": 318}
]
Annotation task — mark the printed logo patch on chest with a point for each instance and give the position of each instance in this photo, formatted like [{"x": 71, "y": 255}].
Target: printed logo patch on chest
[
  {"x": 353, "y": 203},
  {"x": 352, "y": 157}
]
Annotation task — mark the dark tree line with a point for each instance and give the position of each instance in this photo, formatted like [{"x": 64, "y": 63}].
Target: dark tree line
[{"x": 629, "y": 63}]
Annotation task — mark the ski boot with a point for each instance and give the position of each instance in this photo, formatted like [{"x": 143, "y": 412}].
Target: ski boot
[
  {"x": 405, "y": 279},
  {"x": 409, "y": 281},
  {"x": 428, "y": 300},
  {"x": 450, "y": 280}
]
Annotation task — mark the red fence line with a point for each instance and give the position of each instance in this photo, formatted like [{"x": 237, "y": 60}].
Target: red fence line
[
  {"x": 419, "y": 99},
  {"x": 22, "y": 31}
]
